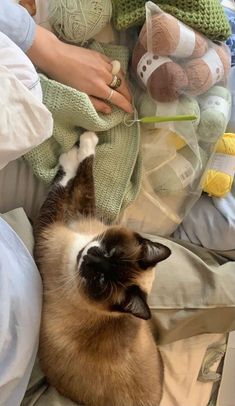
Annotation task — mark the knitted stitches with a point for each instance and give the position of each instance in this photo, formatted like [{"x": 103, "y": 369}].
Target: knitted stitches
[
  {"x": 117, "y": 167},
  {"x": 206, "y": 16}
]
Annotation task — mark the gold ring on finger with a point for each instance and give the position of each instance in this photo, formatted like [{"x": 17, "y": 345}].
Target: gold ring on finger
[
  {"x": 113, "y": 82},
  {"x": 116, "y": 82}
]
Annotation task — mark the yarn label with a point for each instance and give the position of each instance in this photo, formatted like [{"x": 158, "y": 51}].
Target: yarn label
[
  {"x": 148, "y": 64},
  {"x": 186, "y": 43},
  {"x": 223, "y": 163},
  {"x": 183, "y": 169},
  {"x": 216, "y": 103},
  {"x": 212, "y": 59}
]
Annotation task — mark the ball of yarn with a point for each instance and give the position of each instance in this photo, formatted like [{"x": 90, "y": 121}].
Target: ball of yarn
[
  {"x": 215, "y": 108},
  {"x": 179, "y": 173},
  {"x": 164, "y": 79},
  {"x": 204, "y": 72},
  {"x": 218, "y": 182},
  {"x": 170, "y": 37},
  {"x": 184, "y": 105},
  {"x": 77, "y": 21},
  {"x": 225, "y": 56}
]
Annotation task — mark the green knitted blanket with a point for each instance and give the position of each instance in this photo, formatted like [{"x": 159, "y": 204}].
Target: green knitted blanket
[
  {"x": 206, "y": 16},
  {"x": 117, "y": 169}
]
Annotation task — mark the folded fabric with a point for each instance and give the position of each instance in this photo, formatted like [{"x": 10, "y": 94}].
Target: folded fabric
[
  {"x": 14, "y": 59},
  {"x": 208, "y": 17},
  {"x": 19, "y": 187},
  {"x": 117, "y": 164},
  {"x": 20, "y": 313},
  {"x": 24, "y": 121},
  {"x": 211, "y": 224},
  {"x": 17, "y": 24},
  {"x": 183, "y": 361}
]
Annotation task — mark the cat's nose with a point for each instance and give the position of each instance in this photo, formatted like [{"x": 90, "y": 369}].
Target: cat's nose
[{"x": 95, "y": 255}]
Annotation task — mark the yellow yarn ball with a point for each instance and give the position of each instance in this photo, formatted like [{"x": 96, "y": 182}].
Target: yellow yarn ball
[
  {"x": 217, "y": 182},
  {"x": 77, "y": 21}
]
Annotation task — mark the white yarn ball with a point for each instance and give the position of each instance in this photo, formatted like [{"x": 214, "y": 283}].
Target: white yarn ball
[{"x": 78, "y": 21}]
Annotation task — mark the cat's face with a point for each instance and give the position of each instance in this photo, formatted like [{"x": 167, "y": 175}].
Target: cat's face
[{"x": 115, "y": 271}]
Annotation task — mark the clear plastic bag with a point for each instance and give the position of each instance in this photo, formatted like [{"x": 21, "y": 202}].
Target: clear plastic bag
[
  {"x": 176, "y": 155},
  {"x": 171, "y": 59}
]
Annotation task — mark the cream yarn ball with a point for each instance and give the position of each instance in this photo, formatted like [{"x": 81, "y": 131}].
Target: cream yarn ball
[{"x": 77, "y": 21}]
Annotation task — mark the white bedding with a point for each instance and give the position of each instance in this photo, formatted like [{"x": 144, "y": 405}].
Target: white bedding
[{"x": 20, "y": 311}]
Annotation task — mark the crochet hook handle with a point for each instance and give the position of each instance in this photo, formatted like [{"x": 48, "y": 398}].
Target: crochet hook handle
[{"x": 165, "y": 119}]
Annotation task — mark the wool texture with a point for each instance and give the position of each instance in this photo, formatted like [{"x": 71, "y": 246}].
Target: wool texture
[
  {"x": 205, "y": 16},
  {"x": 117, "y": 169}
]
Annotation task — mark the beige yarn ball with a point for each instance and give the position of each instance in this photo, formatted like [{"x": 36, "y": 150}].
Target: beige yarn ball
[
  {"x": 166, "y": 36},
  {"x": 77, "y": 21},
  {"x": 166, "y": 83},
  {"x": 199, "y": 72}
]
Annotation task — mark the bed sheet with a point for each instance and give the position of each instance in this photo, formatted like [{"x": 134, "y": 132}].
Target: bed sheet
[
  {"x": 20, "y": 188},
  {"x": 211, "y": 224},
  {"x": 183, "y": 361}
]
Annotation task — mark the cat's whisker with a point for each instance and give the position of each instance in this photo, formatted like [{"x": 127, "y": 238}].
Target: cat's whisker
[{"x": 111, "y": 291}]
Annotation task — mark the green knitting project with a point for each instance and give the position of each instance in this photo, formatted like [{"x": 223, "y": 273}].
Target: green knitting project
[
  {"x": 117, "y": 169},
  {"x": 206, "y": 16}
]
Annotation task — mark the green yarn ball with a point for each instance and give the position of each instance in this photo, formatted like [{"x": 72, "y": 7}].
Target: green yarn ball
[{"x": 77, "y": 21}]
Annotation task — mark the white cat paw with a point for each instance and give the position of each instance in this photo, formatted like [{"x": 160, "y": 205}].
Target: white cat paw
[
  {"x": 88, "y": 142},
  {"x": 69, "y": 161}
]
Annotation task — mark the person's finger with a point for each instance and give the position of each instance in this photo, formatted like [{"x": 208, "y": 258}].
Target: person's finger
[
  {"x": 121, "y": 101},
  {"x": 109, "y": 78},
  {"x": 116, "y": 98},
  {"x": 123, "y": 88},
  {"x": 100, "y": 105},
  {"x": 106, "y": 59},
  {"x": 109, "y": 67}
]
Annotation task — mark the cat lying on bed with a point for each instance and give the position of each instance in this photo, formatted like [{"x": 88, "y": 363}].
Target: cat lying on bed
[{"x": 96, "y": 346}]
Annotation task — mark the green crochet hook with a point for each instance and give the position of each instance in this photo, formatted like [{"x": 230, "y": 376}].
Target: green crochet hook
[{"x": 165, "y": 119}]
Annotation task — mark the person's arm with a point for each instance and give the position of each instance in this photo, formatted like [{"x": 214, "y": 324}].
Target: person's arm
[
  {"x": 17, "y": 24},
  {"x": 83, "y": 69}
]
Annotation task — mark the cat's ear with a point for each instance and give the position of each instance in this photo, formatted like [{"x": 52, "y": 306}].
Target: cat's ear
[
  {"x": 135, "y": 303},
  {"x": 151, "y": 253}
]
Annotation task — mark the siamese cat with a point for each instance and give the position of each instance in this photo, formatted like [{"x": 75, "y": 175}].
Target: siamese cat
[{"x": 96, "y": 345}]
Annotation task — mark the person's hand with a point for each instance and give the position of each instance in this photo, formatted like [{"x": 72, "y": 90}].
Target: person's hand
[{"x": 81, "y": 68}]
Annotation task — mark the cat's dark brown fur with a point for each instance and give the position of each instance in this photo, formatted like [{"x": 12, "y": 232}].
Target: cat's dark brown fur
[{"x": 96, "y": 346}]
